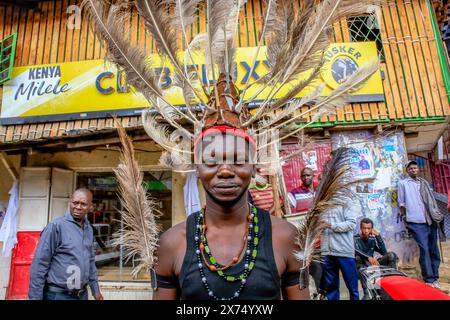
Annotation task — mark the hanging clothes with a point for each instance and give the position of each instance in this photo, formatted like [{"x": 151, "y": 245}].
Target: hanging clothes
[
  {"x": 8, "y": 230},
  {"x": 191, "y": 196}
]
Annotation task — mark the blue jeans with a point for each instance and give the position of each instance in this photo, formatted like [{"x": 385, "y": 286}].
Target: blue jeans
[
  {"x": 64, "y": 296},
  {"x": 427, "y": 239},
  {"x": 331, "y": 267}
]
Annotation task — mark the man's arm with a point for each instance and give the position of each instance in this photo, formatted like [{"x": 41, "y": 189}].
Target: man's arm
[
  {"x": 380, "y": 247},
  {"x": 358, "y": 249},
  {"x": 291, "y": 200},
  {"x": 292, "y": 292},
  {"x": 93, "y": 278},
  {"x": 42, "y": 261},
  {"x": 349, "y": 223},
  {"x": 401, "y": 198},
  {"x": 165, "y": 267},
  {"x": 295, "y": 293}
]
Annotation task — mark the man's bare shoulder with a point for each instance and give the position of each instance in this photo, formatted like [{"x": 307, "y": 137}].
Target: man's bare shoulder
[
  {"x": 172, "y": 237},
  {"x": 283, "y": 230},
  {"x": 170, "y": 251},
  {"x": 284, "y": 241}
]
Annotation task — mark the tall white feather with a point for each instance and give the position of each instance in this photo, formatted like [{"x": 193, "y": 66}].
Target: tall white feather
[{"x": 139, "y": 234}]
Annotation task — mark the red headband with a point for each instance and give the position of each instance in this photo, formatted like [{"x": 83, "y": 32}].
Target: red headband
[{"x": 227, "y": 130}]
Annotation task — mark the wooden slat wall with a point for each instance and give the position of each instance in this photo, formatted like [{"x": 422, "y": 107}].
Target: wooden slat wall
[{"x": 413, "y": 83}]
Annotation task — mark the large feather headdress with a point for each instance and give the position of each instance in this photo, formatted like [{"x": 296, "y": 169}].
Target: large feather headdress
[{"x": 296, "y": 40}]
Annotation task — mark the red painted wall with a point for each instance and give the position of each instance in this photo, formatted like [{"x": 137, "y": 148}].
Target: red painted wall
[
  {"x": 293, "y": 167},
  {"x": 22, "y": 257}
]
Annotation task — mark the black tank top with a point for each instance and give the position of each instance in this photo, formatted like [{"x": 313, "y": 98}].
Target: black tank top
[{"x": 263, "y": 283}]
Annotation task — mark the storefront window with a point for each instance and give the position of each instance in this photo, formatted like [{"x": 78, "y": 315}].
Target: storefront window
[
  {"x": 106, "y": 218},
  {"x": 366, "y": 28}
]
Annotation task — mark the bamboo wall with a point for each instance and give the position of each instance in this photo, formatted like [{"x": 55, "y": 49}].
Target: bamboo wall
[{"x": 413, "y": 85}]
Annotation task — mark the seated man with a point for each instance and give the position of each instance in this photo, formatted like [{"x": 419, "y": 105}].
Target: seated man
[{"x": 367, "y": 243}]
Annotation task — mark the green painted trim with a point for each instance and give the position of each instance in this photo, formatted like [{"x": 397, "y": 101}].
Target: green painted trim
[
  {"x": 419, "y": 119},
  {"x": 335, "y": 123},
  {"x": 440, "y": 48},
  {"x": 138, "y": 28},
  {"x": 358, "y": 122},
  {"x": 255, "y": 32},
  {"x": 8, "y": 59}
]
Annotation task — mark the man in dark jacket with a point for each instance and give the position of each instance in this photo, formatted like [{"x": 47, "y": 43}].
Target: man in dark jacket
[
  {"x": 64, "y": 262},
  {"x": 367, "y": 242}
]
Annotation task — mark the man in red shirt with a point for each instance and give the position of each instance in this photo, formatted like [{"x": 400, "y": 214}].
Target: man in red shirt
[{"x": 301, "y": 198}]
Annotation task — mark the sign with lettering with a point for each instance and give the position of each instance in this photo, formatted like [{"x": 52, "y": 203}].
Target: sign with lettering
[{"x": 94, "y": 88}]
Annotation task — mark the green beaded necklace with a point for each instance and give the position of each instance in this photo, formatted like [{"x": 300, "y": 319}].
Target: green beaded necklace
[{"x": 250, "y": 254}]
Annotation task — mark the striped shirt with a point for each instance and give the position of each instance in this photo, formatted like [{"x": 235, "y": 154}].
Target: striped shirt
[{"x": 301, "y": 198}]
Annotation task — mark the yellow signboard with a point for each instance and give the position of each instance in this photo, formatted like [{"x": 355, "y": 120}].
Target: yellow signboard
[{"x": 88, "y": 89}]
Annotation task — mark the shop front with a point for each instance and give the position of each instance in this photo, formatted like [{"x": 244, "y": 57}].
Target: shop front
[
  {"x": 46, "y": 182},
  {"x": 57, "y": 132},
  {"x": 106, "y": 218}
]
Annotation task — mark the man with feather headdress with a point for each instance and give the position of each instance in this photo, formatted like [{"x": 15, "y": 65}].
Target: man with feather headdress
[{"x": 230, "y": 249}]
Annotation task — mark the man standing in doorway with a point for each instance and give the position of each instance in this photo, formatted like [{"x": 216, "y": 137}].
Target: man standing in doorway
[
  {"x": 419, "y": 209},
  {"x": 64, "y": 262}
]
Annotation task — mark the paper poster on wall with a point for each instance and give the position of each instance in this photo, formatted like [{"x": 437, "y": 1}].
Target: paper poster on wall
[
  {"x": 389, "y": 147},
  {"x": 310, "y": 159},
  {"x": 383, "y": 178},
  {"x": 378, "y": 197},
  {"x": 362, "y": 162},
  {"x": 374, "y": 201}
]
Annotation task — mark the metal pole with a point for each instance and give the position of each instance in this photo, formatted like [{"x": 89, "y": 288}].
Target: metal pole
[{"x": 121, "y": 250}]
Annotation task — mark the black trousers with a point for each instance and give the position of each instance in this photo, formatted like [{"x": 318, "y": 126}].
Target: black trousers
[
  {"x": 64, "y": 296},
  {"x": 315, "y": 270}
]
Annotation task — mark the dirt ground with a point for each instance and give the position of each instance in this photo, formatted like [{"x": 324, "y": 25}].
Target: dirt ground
[{"x": 444, "y": 270}]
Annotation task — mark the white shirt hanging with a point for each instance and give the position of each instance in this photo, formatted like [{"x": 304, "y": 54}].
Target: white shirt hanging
[
  {"x": 191, "y": 196},
  {"x": 8, "y": 230}
]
